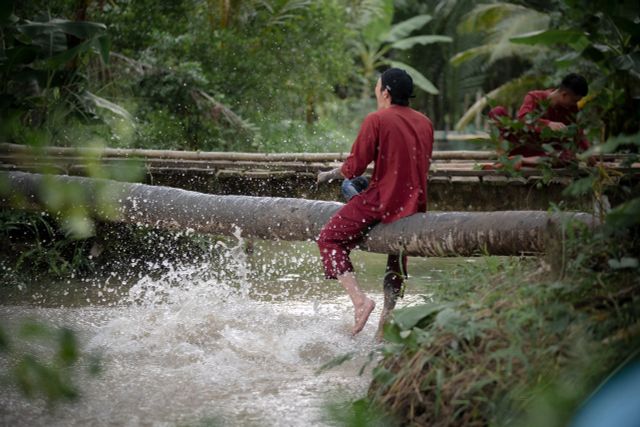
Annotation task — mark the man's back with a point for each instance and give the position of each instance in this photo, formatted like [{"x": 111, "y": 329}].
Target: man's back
[
  {"x": 532, "y": 104},
  {"x": 400, "y": 142}
]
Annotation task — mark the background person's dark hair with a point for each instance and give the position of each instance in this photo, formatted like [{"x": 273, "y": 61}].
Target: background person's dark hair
[
  {"x": 576, "y": 84},
  {"x": 399, "y": 84}
]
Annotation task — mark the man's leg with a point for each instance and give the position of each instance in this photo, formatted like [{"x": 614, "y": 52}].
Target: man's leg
[
  {"x": 348, "y": 189},
  {"x": 395, "y": 274},
  {"x": 362, "y": 304},
  {"x": 341, "y": 234},
  {"x": 352, "y": 187}
]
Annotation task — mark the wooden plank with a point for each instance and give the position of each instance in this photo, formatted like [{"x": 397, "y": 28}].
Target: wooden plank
[
  {"x": 495, "y": 180},
  {"x": 516, "y": 181},
  {"x": 465, "y": 180},
  {"x": 439, "y": 179}
]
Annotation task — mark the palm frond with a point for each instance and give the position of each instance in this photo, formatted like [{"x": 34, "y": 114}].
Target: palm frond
[
  {"x": 485, "y": 17},
  {"x": 501, "y": 22},
  {"x": 409, "y": 42},
  {"x": 418, "y": 78},
  {"x": 284, "y": 11},
  {"x": 404, "y": 28}
]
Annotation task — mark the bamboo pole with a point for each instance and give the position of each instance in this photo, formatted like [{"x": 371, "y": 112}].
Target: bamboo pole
[
  {"x": 71, "y": 152},
  {"x": 424, "y": 234}
]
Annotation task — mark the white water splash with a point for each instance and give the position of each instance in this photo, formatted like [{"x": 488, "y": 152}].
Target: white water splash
[{"x": 190, "y": 345}]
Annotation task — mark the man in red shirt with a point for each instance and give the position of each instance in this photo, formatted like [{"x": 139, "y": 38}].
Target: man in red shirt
[
  {"x": 399, "y": 140},
  {"x": 552, "y": 108}
]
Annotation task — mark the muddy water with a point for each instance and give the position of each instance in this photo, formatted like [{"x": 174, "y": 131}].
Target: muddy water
[{"x": 232, "y": 341}]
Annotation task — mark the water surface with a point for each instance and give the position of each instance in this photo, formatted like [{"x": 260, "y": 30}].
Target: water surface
[{"x": 230, "y": 340}]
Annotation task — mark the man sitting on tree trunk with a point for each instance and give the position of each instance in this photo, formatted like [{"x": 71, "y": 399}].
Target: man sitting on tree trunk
[
  {"x": 541, "y": 112},
  {"x": 399, "y": 141}
]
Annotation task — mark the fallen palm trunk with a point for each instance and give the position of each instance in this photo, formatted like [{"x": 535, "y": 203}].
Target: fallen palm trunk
[{"x": 428, "y": 234}]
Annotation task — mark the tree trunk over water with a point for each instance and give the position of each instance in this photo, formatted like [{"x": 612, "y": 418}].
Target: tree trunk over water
[{"x": 425, "y": 234}]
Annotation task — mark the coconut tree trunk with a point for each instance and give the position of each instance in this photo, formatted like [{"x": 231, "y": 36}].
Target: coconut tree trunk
[{"x": 424, "y": 234}]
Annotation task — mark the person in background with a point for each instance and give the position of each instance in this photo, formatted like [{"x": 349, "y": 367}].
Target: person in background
[
  {"x": 399, "y": 140},
  {"x": 551, "y": 108}
]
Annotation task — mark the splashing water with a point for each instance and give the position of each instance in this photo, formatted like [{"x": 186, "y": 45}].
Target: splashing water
[{"x": 229, "y": 342}]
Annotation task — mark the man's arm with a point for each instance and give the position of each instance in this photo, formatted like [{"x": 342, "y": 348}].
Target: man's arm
[
  {"x": 329, "y": 176},
  {"x": 364, "y": 148},
  {"x": 530, "y": 105}
]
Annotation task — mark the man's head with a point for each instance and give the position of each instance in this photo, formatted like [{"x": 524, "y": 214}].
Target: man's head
[
  {"x": 571, "y": 90},
  {"x": 396, "y": 85}
]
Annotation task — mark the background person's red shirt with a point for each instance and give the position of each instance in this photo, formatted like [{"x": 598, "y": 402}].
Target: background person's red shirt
[
  {"x": 400, "y": 142},
  {"x": 532, "y": 105}
]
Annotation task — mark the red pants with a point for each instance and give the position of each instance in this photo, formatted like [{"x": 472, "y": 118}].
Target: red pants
[{"x": 343, "y": 232}]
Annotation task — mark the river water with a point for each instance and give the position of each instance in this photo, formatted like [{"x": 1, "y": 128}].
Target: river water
[{"x": 233, "y": 341}]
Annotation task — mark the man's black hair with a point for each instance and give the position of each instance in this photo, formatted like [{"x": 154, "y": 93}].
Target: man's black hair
[
  {"x": 399, "y": 84},
  {"x": 576, "y": 84}
]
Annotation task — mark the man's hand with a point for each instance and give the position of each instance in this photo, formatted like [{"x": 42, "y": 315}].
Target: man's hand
[
  {"x": 329, "y": 176},
  {"x": 557, "y": 126}
]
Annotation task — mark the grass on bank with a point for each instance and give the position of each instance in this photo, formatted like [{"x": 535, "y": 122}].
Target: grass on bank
[{"x": 507, "y": 342}]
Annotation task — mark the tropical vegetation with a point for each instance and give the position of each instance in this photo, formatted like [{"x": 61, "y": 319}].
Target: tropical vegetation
[{"x": 497, "y": 343}]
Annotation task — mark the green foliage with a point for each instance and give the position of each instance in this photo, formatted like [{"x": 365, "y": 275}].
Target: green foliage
[
  {"x": 497, "y": 339},
  {"x": 229, "y": 74},
  {"x": 605, "y": 36},
  {"x": 500, "y": 22},
  {"x": 50, "y": 376},
  {"x": 37, "y": 245},
  {"x": 359, "y": 413},
  {"x": 41, "y": 65},
  {"x": 379, "y": 38}
]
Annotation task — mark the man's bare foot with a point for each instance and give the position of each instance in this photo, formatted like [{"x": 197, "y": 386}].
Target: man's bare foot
[{"x": 362, "y": 312}]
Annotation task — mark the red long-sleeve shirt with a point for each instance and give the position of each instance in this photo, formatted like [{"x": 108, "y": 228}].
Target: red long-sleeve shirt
[
  {"x": 531, "y": 104},
  {"x": 400, "y": 142}
]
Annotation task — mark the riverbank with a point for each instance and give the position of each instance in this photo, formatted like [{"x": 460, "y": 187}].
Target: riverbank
[
  {"x": 476, "y": 341},
  {"x": 508, "y": 343}
]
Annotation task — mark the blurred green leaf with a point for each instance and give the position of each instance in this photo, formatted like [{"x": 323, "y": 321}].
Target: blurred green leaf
[
  {"x": 551, "y": 37},
  {"x": 56, "y": 61},
  {"x": 68, "y": 347},
  {"x": 34, "y": 377},
  {"x": 81, "y": 29},
  {"x": 78, "y": 224},
  {"x": 336, "y": 361},
  {"x": 580, "y": 187},
  {"x": 359, "y": 413},
  {"x": 418, "y": 78},
  {"x": 613, "y": 144},
  {"x": 624, "y": 262},
  {"x": 409, "y": 42},
  {"x": 383, "y": 375},
  {"x": 404, "y": 28},
  {"x": 108, "y": 105},
  {"x": 627, "y": 62},
  {"x": 104, "y": 47},
  {"x": 449, "y": 318},
  {"x": 31, "y": 329},
  {"x": 380, "y": 24},
  {"x": 624, "y": 215},
  {"x": 408, "y": 317}
]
